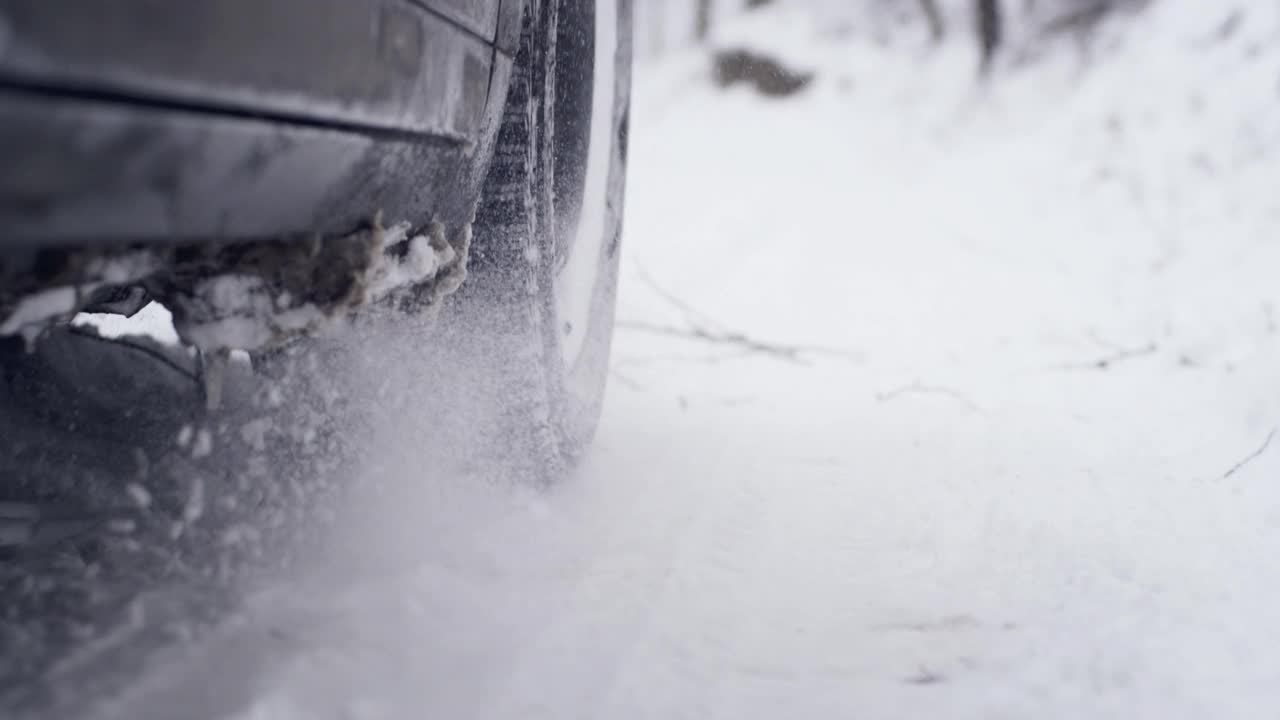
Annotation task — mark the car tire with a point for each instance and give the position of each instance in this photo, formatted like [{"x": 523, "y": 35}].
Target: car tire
[{"x": 537, "y": 308}]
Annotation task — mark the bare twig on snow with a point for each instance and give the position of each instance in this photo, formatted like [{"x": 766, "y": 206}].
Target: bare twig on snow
[
  {"x": 925, "y": 676},
  {"x": 1253, "y": 456},
  {"x": 783, "y": 352},
  {"x": 700, "y": 328},
  {"x": 692, "y": 314},
  {"x": 1109, "y": 361},
  {"x": 916, "y": 388},
  {"x": 625, "y": 381}
]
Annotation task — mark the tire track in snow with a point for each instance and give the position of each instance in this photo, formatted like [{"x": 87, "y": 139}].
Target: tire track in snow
[{"x": 642, "y": 523}]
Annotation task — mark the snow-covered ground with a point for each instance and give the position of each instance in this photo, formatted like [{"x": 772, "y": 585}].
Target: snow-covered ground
[{"x": 977, "y": 422}]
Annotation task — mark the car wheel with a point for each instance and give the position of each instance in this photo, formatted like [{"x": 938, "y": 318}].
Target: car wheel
[{"x": 538, "y": 304}]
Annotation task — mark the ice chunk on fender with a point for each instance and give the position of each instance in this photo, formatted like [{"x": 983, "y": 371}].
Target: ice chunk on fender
[{"x": 280, "y": 296}]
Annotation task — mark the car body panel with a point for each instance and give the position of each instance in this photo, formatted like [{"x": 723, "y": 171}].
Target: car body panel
[
  {"x": 383, "y": 64},
  {"x": 86, "y": 171},
  {"x": 179, "y": 122},
  {"x": 479, "y": 17}
]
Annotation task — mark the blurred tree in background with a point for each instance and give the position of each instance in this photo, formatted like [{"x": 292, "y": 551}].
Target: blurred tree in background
[
  {"x": 933, "y": 16},
  {"x": 989, "y": 24},
  {"x": 702, "y": 20},
  {"x": 997, "y": 29}
]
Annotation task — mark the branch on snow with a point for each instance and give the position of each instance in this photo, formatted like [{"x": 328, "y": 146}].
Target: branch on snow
[
  {"x": 1110, "y": 361},
  {"x": 699, "y": 324},
  {"x": 791, "y": 353},
  {"x": 916, "y": 388},
  {"x": 624, "y": 380},
  {"x": 1253, "y": 456}
]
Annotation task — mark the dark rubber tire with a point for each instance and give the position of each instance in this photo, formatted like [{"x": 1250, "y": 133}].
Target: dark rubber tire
[{"x": 544, "y": 411}]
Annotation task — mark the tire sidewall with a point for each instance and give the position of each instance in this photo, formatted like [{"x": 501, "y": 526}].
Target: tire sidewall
[{"x": 579, "y": 387}]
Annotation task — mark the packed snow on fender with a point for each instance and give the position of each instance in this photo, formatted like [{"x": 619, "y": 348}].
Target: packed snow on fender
[{"x": 931, "y": 396}]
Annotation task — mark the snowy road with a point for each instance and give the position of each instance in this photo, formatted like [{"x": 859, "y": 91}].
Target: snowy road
[{"x": 959, "y": 437}]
